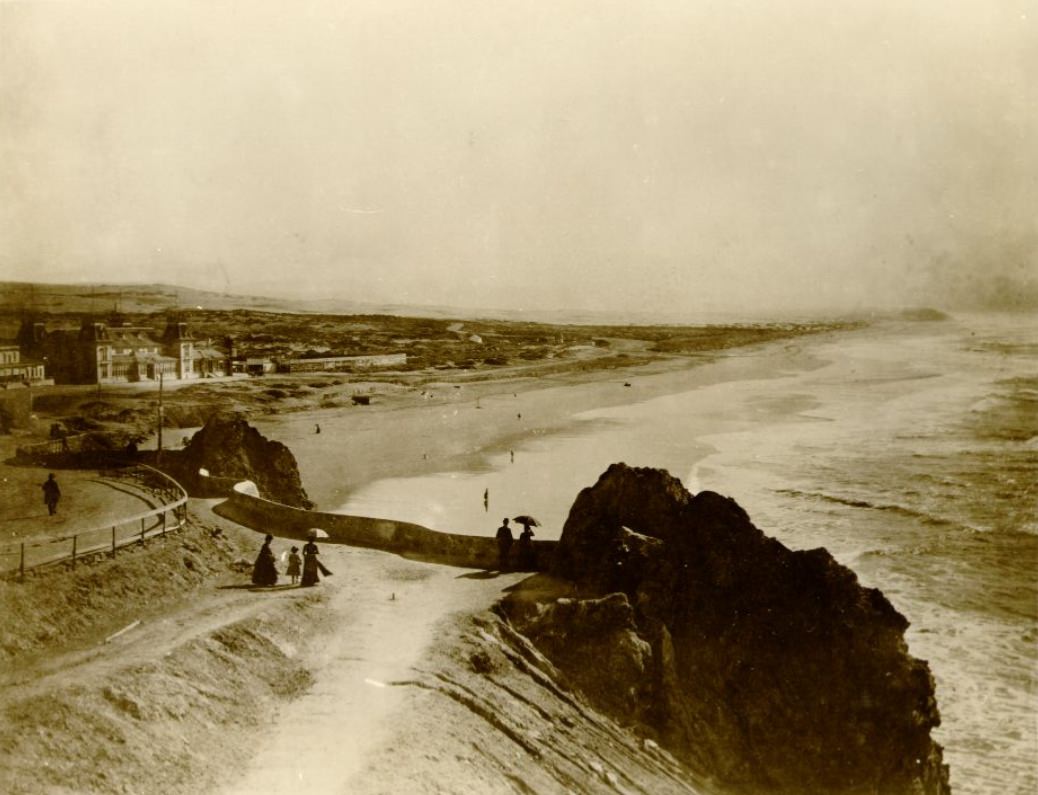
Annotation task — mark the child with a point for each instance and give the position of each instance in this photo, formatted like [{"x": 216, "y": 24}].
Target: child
[{"x": 294, "y": 564}]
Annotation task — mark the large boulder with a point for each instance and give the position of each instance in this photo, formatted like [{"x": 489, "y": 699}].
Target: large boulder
[
  {"x": 229, "y": 450},
  {"x": 769, "y": 670}
]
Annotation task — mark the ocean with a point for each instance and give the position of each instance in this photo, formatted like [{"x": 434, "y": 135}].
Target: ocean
[{"x": 908, "y": 450}]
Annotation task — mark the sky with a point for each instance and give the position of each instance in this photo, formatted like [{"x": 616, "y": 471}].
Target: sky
[{"x": 664, "y": 155}]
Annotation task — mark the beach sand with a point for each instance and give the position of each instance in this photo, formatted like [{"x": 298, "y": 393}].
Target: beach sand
[{"x": 459, "y": 425}]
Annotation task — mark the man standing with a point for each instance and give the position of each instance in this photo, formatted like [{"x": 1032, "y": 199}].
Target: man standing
[
  {"x": 504, "y": 545},
  {"x": 51, "y": 494}
]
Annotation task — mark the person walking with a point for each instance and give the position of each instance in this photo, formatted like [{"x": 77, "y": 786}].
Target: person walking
[
  {"x": 51, "y": 494},
  {"x": 311, "y": 565},
  {"x": 295, "y": 564},
  {"x": 504, "y": 545},
  {"x": 264, "y": 570}
]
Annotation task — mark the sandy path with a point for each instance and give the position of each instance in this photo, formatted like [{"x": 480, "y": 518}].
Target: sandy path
[{"x": 387, "y": 609}]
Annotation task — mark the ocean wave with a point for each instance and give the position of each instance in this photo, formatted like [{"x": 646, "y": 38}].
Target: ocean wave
[{"x": 901, "y": 510}]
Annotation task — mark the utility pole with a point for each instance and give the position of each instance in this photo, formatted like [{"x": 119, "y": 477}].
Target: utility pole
[{"x": 158, "y": 454}]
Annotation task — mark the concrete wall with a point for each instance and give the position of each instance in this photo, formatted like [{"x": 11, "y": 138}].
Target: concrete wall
[{"x": 403, "y": 538}]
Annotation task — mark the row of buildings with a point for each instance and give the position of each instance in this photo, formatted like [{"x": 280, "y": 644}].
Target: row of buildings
[{"x": 118, "y": 352}]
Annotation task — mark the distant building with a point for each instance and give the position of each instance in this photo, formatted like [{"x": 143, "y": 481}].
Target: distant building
[
  {"x": 332, "y": 364},
  {"x": 117, "y": 352},
  {"x": 253, "y": 365},
  {"x": 16, "y": 370},
  {"x": 17, "y": 375}
]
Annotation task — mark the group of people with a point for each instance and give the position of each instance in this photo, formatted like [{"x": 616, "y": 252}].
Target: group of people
[
  {"x": 306, "y": 569},
  {"x": 526, "y": 555}
]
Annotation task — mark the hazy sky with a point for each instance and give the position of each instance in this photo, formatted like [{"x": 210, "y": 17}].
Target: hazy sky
[{"x": 566, "y": 154}]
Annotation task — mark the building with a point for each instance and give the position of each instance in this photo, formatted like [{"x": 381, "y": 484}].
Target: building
[
  {"x": 16, "y": 370},
  {"x": 117, "y": 352},
  {"x": 17, "y": 376},
  {"x": 334, "y": 364}
]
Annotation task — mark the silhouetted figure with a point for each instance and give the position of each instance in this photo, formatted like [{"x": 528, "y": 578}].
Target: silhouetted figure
[
  {"x": 311, "y": 565},
  {"x": 51, "y": 494},
  {"x": 504, "y": 545},
  {"x": 525, "y": 553},
  {"x": 511, "y": 453},
  {"x": 317, "y": 428},
  {"x": 264, "y": 572},
  {"x": 486, "y": 499}
]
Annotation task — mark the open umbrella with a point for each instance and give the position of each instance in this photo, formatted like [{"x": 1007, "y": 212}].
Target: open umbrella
[
  {"x": 316, "y": 532},
  {"x": 526, "y": 520}
]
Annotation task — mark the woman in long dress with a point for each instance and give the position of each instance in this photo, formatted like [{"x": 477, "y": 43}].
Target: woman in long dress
[
  {"x": 264, "y": 572},
  {"x": 310, "y": 554}
]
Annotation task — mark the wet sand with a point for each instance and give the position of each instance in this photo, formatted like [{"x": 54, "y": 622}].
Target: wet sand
[{"x": 458, "y": 428}]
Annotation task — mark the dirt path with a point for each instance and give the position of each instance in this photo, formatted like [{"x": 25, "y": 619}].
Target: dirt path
[
  {"x": 148, "y": 641},
  {"x": 87, "y": 501},
  {"x": 379, "y": 613},
  {"x": 386, "y": 610}
]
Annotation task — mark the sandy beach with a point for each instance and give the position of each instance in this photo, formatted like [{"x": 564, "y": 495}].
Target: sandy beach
[{"x": 456, "y": 426}]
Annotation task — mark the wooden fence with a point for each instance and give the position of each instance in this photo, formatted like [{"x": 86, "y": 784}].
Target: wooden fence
[
  {"x": 104, "y": 540},
  {"x": 39, "y": 451}
]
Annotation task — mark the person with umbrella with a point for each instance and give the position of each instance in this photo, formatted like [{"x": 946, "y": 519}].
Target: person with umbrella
[
  {"x": 527, "y": 556},
  {"x": 311, "y": 564}
]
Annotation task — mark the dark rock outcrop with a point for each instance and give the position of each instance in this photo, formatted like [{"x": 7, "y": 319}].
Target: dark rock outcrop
[
  {"x": 231, "y": 450},
  {"x": 769, "y": 670}
]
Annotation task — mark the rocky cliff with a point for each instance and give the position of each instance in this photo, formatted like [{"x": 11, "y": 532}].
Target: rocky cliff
[
  {"x": 763, "y": 669},
  {"x": 232, "y": 450}
]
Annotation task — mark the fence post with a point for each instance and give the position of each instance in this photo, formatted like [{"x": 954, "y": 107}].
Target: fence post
[
  {"x": 75, "y": 538},
  {"x": 113, "y": 540},
  {"x": 142, "y": 532},
  {"x": 21, "y": 563},
  {"x": 163, "y": 523}
]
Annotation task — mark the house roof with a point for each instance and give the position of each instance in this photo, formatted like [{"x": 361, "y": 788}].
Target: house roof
[{"x": 205, "y": 352}]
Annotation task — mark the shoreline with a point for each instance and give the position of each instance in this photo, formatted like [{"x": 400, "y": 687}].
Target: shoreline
[{"x": 459, "y": 428}]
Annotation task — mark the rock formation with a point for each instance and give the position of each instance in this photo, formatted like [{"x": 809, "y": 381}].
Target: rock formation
[
  {"x": 768, "y": 670},
  {"x": 232, "y": 450}
]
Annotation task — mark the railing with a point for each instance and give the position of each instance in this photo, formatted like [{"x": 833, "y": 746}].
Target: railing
[
  {"x": 104, "y": 540},
  {"x": 69, "y": 444}
]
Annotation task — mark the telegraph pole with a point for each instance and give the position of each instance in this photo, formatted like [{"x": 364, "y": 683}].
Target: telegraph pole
[{"x": 158, "y": 455}]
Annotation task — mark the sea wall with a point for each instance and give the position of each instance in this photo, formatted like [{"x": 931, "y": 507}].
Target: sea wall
[{"x": 246, "y": 507}]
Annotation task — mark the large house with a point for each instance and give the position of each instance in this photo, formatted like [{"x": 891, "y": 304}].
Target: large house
[
  {"x": 16, "y": 370},
  {"x": 117, "y": 352}
]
